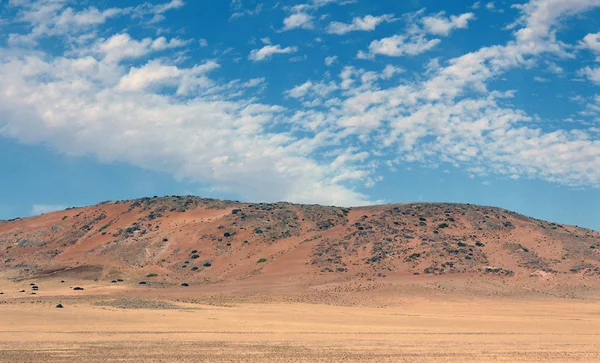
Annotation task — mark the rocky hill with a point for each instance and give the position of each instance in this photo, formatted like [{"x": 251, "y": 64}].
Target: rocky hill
[{"x": 167, "y": 240}]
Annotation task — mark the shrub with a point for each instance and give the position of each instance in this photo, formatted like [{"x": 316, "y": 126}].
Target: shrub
[
  {"x": 207, "y": 264},
  {"x": 65, "y": 217},
  {"x": 185, "y": 284},
  {"x": 59, "y": 306},
  {"x": 152, "y": 275},
  {"x": 195, "y": 256},
  {"x": 443, "y": 225},
  {"x": 262, "y": 260}
]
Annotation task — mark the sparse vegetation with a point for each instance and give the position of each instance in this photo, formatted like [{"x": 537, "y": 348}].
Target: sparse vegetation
[{"x": 262, "y": 260}]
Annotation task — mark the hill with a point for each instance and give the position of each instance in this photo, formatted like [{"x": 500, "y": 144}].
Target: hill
[{"x": 283, "y": 247}]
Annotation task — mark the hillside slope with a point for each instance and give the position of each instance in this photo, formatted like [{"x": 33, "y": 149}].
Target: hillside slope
[{"x": 204, "y": 241}]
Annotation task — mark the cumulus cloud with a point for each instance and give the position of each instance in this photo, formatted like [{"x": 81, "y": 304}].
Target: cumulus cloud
[
  {"x": 432, "y": 121},
  {"x": 592, "y": 41},
  {"x": 399, "y": 45},
  {"x": 415, "y": 40},
  {"x": 122, "y": 46},
  {"x": 592, "y": 74},
  {"x": 330, "y": 60},
  {"x": 366, "y": 23},
  {"x": 266, "y": 52},
  {"x": 154, "y": 73},
  {"x": 159, "y": 115},
  {"x": 298, "y": 20},
  {"x": 443, "y": 26},
  {"x": 46, "y": 18},
  {"x": 238, "y": 10},
  {"x": 124, "y": 99}
]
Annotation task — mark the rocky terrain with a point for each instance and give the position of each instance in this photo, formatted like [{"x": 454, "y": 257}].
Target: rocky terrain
[
  {"x": 169, "y": 241},
  {"x": 188, "y": 279}
]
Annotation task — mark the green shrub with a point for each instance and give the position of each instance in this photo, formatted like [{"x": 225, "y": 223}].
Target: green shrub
[
  {"x": 104, "y": 227},
  {"x": 262, "y": 260},
  {"x": 152, "y": 275}
]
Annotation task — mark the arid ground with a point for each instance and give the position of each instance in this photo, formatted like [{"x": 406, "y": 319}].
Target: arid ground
[
  {"x": 190, "y": 279},
  {"x": 418, "y": 330}
]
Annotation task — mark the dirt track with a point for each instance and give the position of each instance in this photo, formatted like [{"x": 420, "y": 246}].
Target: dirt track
[{"x": 417, "y": 331}]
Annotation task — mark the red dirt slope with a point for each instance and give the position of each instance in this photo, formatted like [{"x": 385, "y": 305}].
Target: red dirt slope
[{"x": 203, "y": 241}]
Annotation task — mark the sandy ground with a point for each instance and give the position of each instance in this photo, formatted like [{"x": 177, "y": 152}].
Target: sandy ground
[{"x": 420, "y": 330}]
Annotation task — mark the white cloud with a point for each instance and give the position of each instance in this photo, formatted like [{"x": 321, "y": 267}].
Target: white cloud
[
  {"x": 156, "y": 11},
  {"x": 156, "y": 74},
  {"x": 214, "y": 136},
  {"x": 415, "y": 41},
  {"x": 298, "y": 20},
  {"x": 38, "y": 209},
  {"x": 330, "y": 60},
  {"x": 266, "y": 52},
  {"x": 122, "y": 46},
  {"x": 443, "y": 26},
  {"x": 203, "y": 42},
  {"x": 592, "y": 74},
  {"x": 366, "y": 23},
  {"x": 240, "y": 12},
  {"x": 152, "y": 73},
  {"x": 554, "y": 68},
  {"x": 160, "y": 115},
  {"x": 389, "y": 71},
  {"x": 399, "y": 45},
  {"x": 591, "y": 42},
  {"x": 432, "y": 121},
  {"x": 52, "y": 18}
]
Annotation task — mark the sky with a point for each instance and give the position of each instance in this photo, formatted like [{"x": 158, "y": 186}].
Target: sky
[{"x": 335, "y": 102}]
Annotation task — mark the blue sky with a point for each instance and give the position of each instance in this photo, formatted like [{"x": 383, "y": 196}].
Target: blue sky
[{"x": 318, "y": 101}]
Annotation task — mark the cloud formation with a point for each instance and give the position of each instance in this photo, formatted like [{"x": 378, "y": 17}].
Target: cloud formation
[
  {"x": 268, "y": 51},
  {"x": 366, "y": 23},
  {"x": 416, "y": 39},
  {"x": 129, "y": 98}
]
